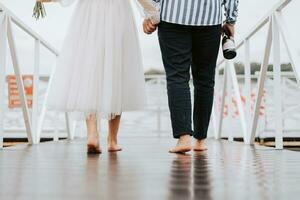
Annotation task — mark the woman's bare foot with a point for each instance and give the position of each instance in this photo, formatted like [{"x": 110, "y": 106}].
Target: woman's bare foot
[
  {"x": 112, "y": 140},
  {"x": 112, "y": 145},
  {"x": 200, "y": 145},
  {"x": 93, "y": 146},
  {"x": 183, "y": 145}
]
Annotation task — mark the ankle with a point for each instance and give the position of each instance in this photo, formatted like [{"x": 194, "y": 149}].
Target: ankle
[
  {"x": 184, "y": 140},
  {"x": 200, "y": 141},
  {"x": 112, "y": 138},
  {"x": 185, "y": 137},
  {"x": 93, "y": 134}
]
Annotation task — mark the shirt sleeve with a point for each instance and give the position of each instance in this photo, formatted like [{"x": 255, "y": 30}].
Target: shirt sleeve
[
  {"x": 65, "y": 2},
  {"x": 151, "y": 10},
  {"x": 231, "y": 10}
]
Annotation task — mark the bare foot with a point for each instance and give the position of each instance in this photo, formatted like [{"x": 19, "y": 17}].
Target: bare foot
[
  {"x": 112, "y": 144},
  {"x": 93, "y": 146},
  {"x": 183, "y": 145},
  {"x": 200, "y": 145}
]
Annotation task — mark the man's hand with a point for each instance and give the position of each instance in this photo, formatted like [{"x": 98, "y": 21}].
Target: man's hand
[
  {"x": 228, "y": 29},
  {"x": 148, "y": 26}
]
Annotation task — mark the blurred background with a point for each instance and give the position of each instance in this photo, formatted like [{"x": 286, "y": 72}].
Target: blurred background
[{"x": 54, "y": 27}]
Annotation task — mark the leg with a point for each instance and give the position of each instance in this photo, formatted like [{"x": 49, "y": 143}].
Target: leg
[
  {"x": 206, "y": 42},
  {"x": 176, "y": 47},
  {"x": 113, "y": 128},
  {"x": 93, "y": 135}
]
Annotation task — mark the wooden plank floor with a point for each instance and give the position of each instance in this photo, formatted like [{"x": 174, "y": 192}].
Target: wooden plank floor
[{"x": 144, "y": 170}]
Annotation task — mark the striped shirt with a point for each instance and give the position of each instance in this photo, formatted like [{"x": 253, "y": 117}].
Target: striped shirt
[{"x": 198, "y": 12}]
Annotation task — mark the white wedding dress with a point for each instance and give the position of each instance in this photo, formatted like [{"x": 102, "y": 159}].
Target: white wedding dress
[{"x": 99, "y": 70}]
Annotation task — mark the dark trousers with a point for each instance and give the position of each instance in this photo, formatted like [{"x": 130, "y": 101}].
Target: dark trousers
[{"x": 184, "y": 48}]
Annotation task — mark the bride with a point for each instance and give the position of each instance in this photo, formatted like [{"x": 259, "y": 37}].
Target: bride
[{"x": 99, "y": 71}]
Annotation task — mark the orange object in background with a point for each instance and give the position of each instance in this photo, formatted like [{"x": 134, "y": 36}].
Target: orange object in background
[{"x": 13, "y": 93}]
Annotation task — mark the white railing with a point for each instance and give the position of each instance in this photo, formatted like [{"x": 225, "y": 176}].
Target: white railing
[
  {"x": 34, "y": 119},
  {"x": 249, "y": 120}
]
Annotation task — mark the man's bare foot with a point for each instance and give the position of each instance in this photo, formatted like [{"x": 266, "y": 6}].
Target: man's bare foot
[
  {"x": 200, "y": 145},
  {"x": 183, "y": 145},
  {"x": 93, "y": 146},
  {"x": 112, "y": 144}
]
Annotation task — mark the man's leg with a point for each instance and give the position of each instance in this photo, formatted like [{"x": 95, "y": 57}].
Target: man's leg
[
  {"x": 176, "y": 47},
  {"x": 206, "y": 43}
]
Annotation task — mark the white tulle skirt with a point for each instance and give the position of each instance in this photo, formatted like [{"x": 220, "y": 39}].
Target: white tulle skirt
[{"x": 99, "y": 70}]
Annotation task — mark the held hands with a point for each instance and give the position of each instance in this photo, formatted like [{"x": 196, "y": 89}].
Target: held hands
[{"x": 149, "y": 27}]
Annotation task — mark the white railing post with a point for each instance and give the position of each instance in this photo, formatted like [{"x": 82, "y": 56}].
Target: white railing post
[
  {"x": 44, "y": 106},
  {"x": 230, "y": 104},
  {"x": 3, "y": 47},
  {"x": 56, "y": 127},
  {"x": 35, "y": 101},
  {"x": 221, "y": 116},
  {"x": 240, "y": 107},
  {"x": 214, "y": 117},
  {"x": 277, "y": 85},
  {"x": 214, "y": 121},
  {"x": 247, "y": 68},
  {"x": 19, "y": 79},
  {"x": 261, "y": 83},
  {"x": 70, "y": 125}
]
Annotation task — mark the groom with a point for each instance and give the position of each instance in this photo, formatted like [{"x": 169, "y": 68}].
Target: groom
[{"x": 189, "y": 36}]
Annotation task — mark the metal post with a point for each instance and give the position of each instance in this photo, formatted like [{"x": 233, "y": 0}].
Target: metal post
[
  {"x": 44, "y": 106},
  {"x": 248, "y": 83},
  {"x": 237, "y": 94},
  {"x": 56, "y": 127},
  {"x": 284, "y": 86},
  {"x": 221, "y": 117},
  {"x": 3, "y": 47},
  {"x": 261, "y": 83},
  {"x": 277, "y": 85},
  {"x": 19, "y": 79},
  {"x": 216, "y": 104},
  {"x": 214, "y": 121},
  {"x": 69, "y": 127},
  {"x": 35, "y": 103},
  {"x": 230, "y": 104}
]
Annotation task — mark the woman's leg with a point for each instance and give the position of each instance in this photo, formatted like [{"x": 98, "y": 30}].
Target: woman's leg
[
  {"x": 113, "y": 128},
  {"x": 92, "y": 135}
]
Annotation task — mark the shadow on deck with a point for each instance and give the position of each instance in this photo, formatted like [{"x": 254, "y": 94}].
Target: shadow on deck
[{"x": 144, "y": 170}]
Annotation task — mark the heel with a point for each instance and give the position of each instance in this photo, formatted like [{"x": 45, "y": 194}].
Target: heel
[{"x": 92, "y": 150}]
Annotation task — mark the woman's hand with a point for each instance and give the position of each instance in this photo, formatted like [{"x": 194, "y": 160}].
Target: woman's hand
[{"x": 148, "y": 26}]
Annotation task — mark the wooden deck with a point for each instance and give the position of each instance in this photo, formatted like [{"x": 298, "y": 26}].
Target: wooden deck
[{"x": 144, "y": 170}]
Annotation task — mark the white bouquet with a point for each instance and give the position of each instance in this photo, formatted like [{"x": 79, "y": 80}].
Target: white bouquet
[{"x": 39, "y": 9}]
